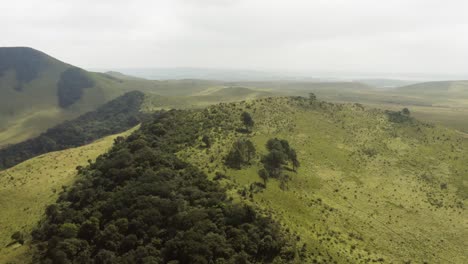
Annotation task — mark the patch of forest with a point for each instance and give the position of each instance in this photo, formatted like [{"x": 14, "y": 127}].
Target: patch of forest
[
  {"x": 70, "y": 86},
  {"x": 113, "y": 117},
  {"x": 139, "y": 203}
]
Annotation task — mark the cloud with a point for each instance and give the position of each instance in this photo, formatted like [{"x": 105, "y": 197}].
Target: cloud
[{"x": 320, "y": 35}]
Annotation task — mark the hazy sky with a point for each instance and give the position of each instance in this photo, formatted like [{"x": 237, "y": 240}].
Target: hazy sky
[{"x": 419, "y": 36}]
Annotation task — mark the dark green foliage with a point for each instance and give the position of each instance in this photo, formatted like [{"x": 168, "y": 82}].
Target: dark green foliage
[
  {"x": 405, "y": 111},
  {"x": 242, "y": 152},
  {"x": 312, "y": 97},
  {"x": 26, "y": 63},
  {"x": 115, "y": 116},
  {"x": 207, "y": 141},
  {"x": 247, "y": 120},
  {"x": 70, "y": 86},
  {"x": 264, "y": 175},
  {"x": 140, "y": 204},
  {"x": 399, "y": 116},
  {"x": 280, "y": 153}
]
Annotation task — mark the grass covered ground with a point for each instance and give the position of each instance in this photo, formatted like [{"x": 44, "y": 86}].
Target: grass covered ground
[
  {"x": 369, "y": 190},
  {"x": 28, "y": 188}
]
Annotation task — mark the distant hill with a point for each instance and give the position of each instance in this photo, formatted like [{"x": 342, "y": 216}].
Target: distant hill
[
  {"x": 386, "y": 83},
  {"x": 445, "y": 88},
  {"x": 38, "y": 91}
]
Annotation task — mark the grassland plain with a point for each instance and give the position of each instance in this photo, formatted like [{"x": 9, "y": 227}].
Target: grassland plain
[
  {"x": 368, "y": 190},
  {"x": 28, "y": 188}
]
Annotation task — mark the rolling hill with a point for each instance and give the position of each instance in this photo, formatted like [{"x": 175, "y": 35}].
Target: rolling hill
[
  {"x": 371, "y": 186},
  {"x": 38, "y": 92},
  {"x": 374, "y": 186}
]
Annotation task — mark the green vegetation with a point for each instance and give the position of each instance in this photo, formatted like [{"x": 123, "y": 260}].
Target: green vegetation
[
  {"x": 70, "y": 86},
  {"x": 140, "y": 203},
  {"x": 267, "y": 179},
  {"x": 28, "y": 188},
  {"x": 368, "y": 189},
  {"x": 114, "y": 117},
  {"x": 242, "y": 152},
  {"x": 25, "y": 62}
]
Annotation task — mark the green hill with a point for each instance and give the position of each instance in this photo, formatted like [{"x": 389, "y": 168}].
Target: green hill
[
  {"x": 38, "y": 92},
  {"x": 372, "y": 186}
]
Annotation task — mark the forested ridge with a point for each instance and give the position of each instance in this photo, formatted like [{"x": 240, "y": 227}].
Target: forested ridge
[
  {"x": 139, "y": 203},
  {"x": 113, "y": 117}
]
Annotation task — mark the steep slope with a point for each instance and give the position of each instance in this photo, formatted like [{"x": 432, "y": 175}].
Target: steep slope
[
  {"x": 28, "y": 188},
  {"x": 38, "y": 91},
  {"x": 373, "y": 186},
  {"x": 113, "y": 117}
]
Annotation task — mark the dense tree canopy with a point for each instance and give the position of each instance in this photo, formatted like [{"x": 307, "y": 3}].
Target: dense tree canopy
[
  {"x": 140, "y": 204},
  {"x": 70, "y": 86}
]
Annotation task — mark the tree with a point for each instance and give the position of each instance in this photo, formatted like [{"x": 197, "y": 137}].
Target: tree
[
  {"x": 405, "y": 111},
  {"x": 249, "y": 150},
  {"x": 312, "y": 97},
  {"x": 68, "y": 230},
  {"x": 207, "y": 141},
  {"x": 242, "y": 152},
  {"x": 247, "y": 120},
  {"x": 264, "y": 175},
  {"x": 273, "y": 162},
  {"x": 234, "y": 159}
]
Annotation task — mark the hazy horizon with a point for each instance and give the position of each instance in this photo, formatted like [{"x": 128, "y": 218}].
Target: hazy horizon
[{"x": 368, "y": 38}]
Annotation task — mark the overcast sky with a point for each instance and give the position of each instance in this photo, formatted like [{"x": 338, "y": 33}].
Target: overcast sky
[{"x": 415, "y": 36}]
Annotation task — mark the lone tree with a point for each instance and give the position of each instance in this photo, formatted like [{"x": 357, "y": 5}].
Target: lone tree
[
  {"x": 405, "y": 111},
  {"x": 246, "y": 118},
  {"x": 312, "y": 97}
]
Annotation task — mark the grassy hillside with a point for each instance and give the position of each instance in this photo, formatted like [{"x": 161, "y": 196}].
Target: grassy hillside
[
  {"x": 113, "y": 117},
  {"x": 38, "y": 92},
  {"x": 444, "y": 103},
  {"x": 373, "y": 186},
  {"x": 26, "y": 190},
  {"x": 368, "y": 190}
]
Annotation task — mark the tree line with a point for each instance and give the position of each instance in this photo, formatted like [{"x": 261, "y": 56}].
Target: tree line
[{"x": 113, "y": 117}]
